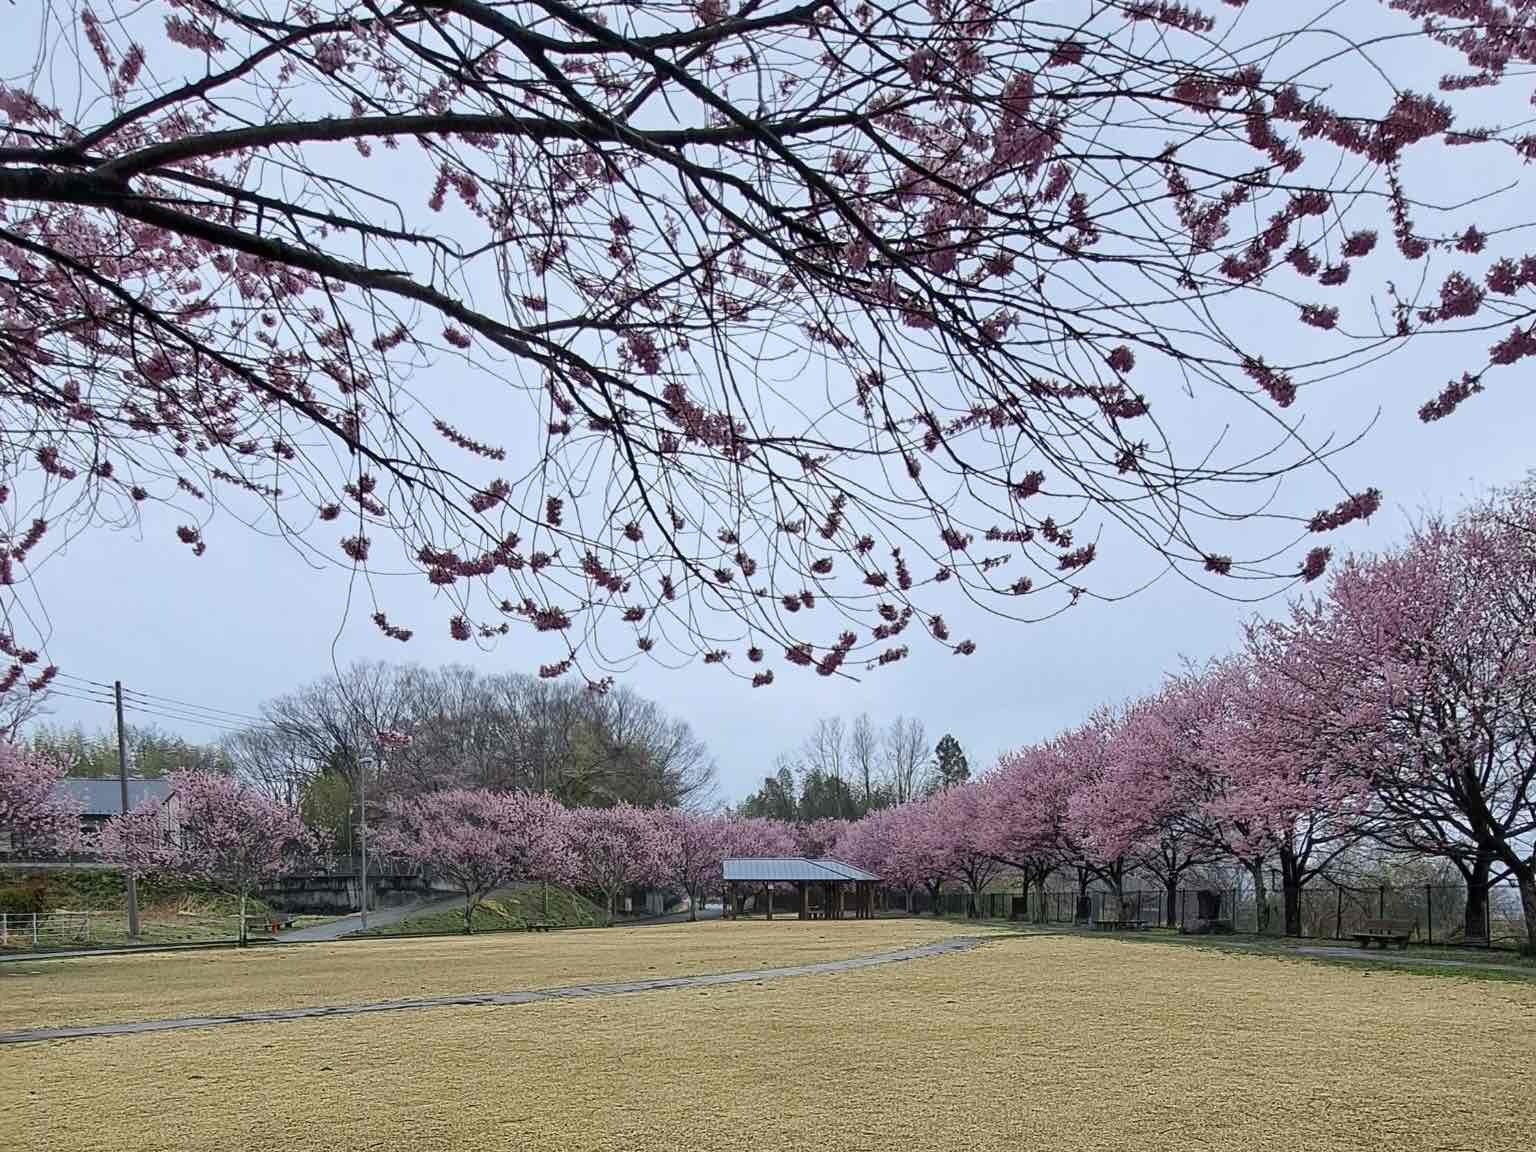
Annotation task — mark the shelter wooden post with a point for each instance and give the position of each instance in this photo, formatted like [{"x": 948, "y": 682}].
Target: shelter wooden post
[
  {"x": 768, "y": 901},
  {"x": 803, "y": 892}
]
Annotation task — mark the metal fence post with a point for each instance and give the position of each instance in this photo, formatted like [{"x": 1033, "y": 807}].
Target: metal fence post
[
  {"x": 34, "y": 929},
  {"x": 1381, "y": 902},
  {"x": 1429, "y": 914}
]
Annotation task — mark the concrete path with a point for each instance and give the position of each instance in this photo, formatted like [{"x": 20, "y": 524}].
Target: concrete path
[
  {"x": 1381, "y": 955},
  {"x": 377, "y": 918},
  {"x": 1385, "y": 956},
  {"x": 576, "y": 992}
]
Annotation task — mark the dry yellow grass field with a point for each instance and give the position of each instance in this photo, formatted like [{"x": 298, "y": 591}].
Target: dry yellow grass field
[
  {"x": 109, "y": 989},
  {"x": 1065, "y": 1044}
]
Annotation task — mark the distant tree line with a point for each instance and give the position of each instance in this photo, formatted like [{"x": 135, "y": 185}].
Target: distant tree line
[
  {"x": 152, "y": 752},
  {"x": 506, "y": 732},
  {"x": 841, "y": 771}
]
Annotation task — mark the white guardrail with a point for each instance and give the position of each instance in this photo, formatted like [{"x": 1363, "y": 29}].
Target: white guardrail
[
  {"x": 65, "y": 929},
  {"x": 45, "y": 929}
]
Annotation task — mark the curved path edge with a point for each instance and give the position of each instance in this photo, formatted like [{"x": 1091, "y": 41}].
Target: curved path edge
[{"x": 530, "y": 996}]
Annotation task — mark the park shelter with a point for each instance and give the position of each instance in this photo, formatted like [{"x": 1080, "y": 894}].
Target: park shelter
[{"x": 833, "y": 880}]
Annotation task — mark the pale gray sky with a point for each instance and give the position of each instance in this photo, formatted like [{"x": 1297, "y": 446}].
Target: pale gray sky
[{"x": 250, "y": 619}]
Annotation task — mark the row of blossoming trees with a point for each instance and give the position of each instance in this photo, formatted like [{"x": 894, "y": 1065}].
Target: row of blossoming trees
[
  {"x": 220, "y": 830},
  {"x": 1398, "y": 708}
]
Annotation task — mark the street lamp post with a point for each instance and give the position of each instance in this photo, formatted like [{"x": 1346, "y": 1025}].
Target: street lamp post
[
  {"x": 362, "y": 832},
  {"x": 385, "y": 741}
]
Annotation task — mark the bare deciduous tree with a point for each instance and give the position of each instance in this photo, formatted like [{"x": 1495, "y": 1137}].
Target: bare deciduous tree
[
  {"x": 864, "y": 755},
  {"x": 907, "y": 759}
]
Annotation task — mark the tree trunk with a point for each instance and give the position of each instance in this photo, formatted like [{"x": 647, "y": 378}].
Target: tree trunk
[
  {"x": 933, "y": 893},
  {"x": 693, "y": 905},
  {"x": 1290, "y": 886},
  {"x": 1292, "y": 892},
  {"x": 1040, "y": 917},
  {"x": 242, "y": 918},
  {"x": 1117, "y": 885},
  {"x": 1526, "y": 875},
  {"x": 1476, "y": 923},
  {"x": 1260, "y": 898},
  {"x": 469, "y": 914},
  {"x": 1170, "y": 900}
]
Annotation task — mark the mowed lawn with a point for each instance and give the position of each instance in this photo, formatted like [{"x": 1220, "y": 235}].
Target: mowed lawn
[
  {"x": 110, "y": 989},
  {"x": 1060, "y": 1043}
]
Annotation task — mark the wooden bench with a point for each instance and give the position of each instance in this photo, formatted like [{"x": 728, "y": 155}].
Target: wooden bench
[
  {"x": 1110, "y": 924},
  {"x": 1385, "y": 932},
  {"x": 539, "y": 926}
]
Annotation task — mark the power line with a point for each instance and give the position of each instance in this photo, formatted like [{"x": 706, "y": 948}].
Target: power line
[
  {"x": 91, "y": 697},
  {"x": 172, "y": 701},
  {"x": 152, "y": 700}
]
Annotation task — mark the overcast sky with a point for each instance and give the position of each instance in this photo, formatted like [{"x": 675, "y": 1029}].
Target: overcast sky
[{"x": 250, "y": 619}]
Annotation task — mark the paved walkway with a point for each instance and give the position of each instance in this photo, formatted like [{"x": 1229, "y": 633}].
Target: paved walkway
[
  {"x": 576, "y": 992},
  {"x": 1308, "y": 951},
  {"x": 377, "y": 918},
  {"x": 1381, "y": 955}
]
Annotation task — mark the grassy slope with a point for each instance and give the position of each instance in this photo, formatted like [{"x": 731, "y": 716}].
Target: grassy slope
[{"x": 507, "y": 908}]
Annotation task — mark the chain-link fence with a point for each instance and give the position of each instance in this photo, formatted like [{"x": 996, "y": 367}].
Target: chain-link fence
[{"x": 1327, "y": 910}]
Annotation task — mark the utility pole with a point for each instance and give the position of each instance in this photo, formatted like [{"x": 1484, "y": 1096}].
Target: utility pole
[
  {"x": 362, "y": 833},
  {"x": 122, "y": 779}
]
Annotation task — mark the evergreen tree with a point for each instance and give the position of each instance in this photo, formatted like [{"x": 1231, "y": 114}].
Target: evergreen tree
[{"x": 949, "y": 763}]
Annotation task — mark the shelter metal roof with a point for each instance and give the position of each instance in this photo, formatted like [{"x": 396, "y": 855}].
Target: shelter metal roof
[
  {"x": 766, "y": 869},
  {"x": 104, "y": 796}
]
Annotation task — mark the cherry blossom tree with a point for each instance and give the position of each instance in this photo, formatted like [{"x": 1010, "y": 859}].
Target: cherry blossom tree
[
  {"x": 757, "y": 836},
  {"x": 958, "y": 818},
  {"x": 35, "y": 813},
  {"x": 1286, "y": 781},
  {"x": 282, "y": 260},
  {"x": 819, "y": 837},
  {"x": 1051, "y": 782},
  {"x": 1148, "y": 803},
  {"x": 1025, "y": 815},
  {"x": 1420, "y": 664},
  {"x": 918, "y": 851},
  {"x": 615, "y": 848},
  {"x": 480, "y": 840},
  {"x": 213, "y": 828},
  {"x": 690, "y": 849}
]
